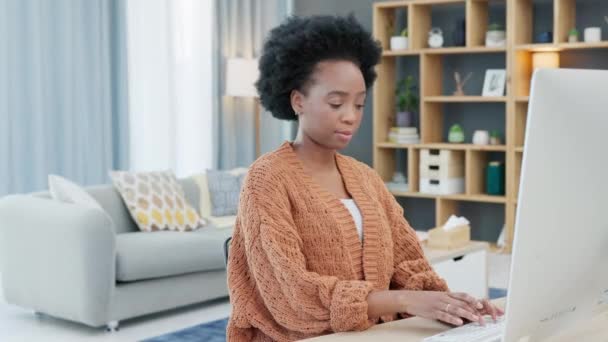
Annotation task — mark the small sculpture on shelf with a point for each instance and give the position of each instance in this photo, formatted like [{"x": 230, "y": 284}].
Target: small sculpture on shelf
[
  {"x": 400, "y": 42},
  {"x": 456, "y": 134},
  {"x": 460, "y": 83},
  {"x": 496, "y": 36},
  {"x": 435, "y": 37},
  {"x": 573, "y": 35},
  {"x": 495, "y": 178},
  {"x": 481, "y": 137},
  {"x": 398, "y": 183},
  {"x": 495, "y": 138}
]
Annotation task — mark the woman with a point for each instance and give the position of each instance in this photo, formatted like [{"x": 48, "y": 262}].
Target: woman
[{"x": 320, "y": 245}]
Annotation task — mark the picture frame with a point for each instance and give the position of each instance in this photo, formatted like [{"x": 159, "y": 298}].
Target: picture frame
[{"x": 494, "y": 82}]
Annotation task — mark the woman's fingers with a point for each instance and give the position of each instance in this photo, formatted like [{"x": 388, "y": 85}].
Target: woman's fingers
[
  {"x": 448, "y": 318},
  {"x": 490, "y": 309},
  {"x": 471, "y": 303},
  {"x": 461, "y": 309},
  {"x": 467, "y": 298}
]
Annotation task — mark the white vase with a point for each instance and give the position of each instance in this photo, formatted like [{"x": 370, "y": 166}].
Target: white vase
[
  {"x": 399, "y": 43},
  {"x": 481, "y": 138},
  {"x": 496, "y": 38},
  {"x": 593, "y": 34}
]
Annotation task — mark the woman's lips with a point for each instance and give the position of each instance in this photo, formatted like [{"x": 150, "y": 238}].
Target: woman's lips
[{"x": 344, "y": 135}]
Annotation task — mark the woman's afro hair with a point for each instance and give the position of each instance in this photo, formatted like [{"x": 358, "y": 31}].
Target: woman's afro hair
[{"x": 294, "y": 48}]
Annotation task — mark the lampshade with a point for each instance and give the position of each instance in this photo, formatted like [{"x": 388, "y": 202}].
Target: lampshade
[
  {"x": 545, "y": 60},
  {"x": 241, "y": 75}
]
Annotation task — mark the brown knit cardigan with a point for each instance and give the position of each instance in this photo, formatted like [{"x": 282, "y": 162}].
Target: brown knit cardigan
[{"x": 297, "y": 268}]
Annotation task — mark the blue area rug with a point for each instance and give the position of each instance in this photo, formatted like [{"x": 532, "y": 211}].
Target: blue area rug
[
  {"x": 216, "y": 331},
  {"x": 209, "y": 332}
]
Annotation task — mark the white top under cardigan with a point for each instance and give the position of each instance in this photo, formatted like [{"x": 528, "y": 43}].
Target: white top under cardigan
[{"x": 356, "y": 214}]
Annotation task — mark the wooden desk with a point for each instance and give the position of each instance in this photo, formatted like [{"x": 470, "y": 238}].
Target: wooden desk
[{"x": 416, "y": 329}]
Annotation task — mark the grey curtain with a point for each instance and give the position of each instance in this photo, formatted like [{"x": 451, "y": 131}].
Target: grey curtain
[
  {"x": 242, "y": 26},
  {"x": 63, "y": 91}
]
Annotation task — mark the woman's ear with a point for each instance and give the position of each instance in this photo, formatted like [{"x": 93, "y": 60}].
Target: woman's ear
[{"x": 297, "y": 101}]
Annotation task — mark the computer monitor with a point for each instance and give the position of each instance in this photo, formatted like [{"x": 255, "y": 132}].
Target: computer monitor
[{"x": 559, "y": 270}]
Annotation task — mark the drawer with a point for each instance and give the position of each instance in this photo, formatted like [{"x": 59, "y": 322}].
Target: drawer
[
  {"x": 441, "y": 171},
  {"x": 441, "y": 157},
  {"x": 442, "y": 186},
  {"x": 467, "y": 273}
]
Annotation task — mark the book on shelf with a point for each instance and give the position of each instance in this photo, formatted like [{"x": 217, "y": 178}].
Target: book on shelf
[
  {"x": 404, "y": 130},
  {"x": 404, "y": 135}
]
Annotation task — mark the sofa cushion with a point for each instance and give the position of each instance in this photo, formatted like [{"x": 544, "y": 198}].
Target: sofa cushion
[
  {"x": 224, "y": 189},
  {"x": 205, "y": 197},
  {"x": 156, "y": 201},
  {"x": 165, "y": 253}
]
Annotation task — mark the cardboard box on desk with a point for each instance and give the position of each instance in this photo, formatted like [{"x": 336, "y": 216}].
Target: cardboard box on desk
[{"x": 454, "y": 238}]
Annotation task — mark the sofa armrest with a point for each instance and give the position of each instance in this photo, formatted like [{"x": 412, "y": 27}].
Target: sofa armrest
[{"x": 57, "y": 258}]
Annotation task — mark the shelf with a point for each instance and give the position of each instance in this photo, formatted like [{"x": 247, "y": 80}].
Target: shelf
[
  {"x": 522, "y": 99},
  {"x": 462, "y": 50},
  {"x": 392, "y": 4},
  {"x": 470, "y": 147},
  {"x": 477, "y": 198},
  {"x": 413, "y": 194},
  {"x": 464, "y": 99},
  {"x": 395, "y": 145},
  {"x": 562, "y": 46},
  {"x": 406, "y": 3},
  {"x": 405, "y": 52},
  {"x": 457, "y": 197},
  {"x": 443, "y": 51},
  {"x": 446, "y": 146}
]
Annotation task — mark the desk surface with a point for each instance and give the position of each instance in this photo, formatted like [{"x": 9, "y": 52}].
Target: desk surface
[{"x": 415, "y": 329}]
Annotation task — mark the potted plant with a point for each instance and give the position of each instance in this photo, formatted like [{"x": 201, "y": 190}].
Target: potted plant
[
  {"x": 495, "y": 138},
  {"x": 400, "y": 42},
  {"x": 573, "y": 35},
  {"x": 407, "y": 102},
  {"x": 496, "y": 36}
]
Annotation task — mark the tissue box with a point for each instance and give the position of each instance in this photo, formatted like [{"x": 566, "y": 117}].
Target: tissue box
[{"x": 451, "y": 239}]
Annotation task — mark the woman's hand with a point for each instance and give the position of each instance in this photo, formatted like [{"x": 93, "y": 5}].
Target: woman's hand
[
  {"x": 487, "y": 309},
  {"x": 451, "y": 308}
]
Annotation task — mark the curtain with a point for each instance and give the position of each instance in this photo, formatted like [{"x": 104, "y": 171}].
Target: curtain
[
  {"x": 241, "y": 27},
  {"x": 62, "y": 92},
  {"x": 170, "y": 85}
]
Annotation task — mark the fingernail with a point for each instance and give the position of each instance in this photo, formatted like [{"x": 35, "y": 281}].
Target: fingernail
[
  {"x": 459, "y": 322},
  {"x": 475, "y": 318},
  {"x": 479, "y": 305}
]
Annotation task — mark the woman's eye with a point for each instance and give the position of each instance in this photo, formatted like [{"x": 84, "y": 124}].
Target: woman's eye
[
  {"x": 335, "y": 106},
  {"x": 360, "y": 107}
]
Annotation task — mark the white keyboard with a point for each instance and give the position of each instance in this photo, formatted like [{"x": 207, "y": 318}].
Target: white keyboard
[{"x": 472, "y": 332}]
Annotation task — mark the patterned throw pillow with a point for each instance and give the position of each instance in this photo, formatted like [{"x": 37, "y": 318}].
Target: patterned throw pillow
[
  {"x": 224, "y": 188},
  {"x": 156, "y": 201}
]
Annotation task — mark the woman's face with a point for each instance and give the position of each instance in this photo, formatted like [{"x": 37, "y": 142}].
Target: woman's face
[{"x": 331, "y": 110}]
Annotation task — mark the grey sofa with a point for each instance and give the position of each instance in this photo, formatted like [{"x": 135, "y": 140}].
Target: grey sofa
[{"x": 73, "y": 262}]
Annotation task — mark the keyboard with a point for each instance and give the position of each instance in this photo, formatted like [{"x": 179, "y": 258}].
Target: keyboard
[{"x": 473, "y": 332}]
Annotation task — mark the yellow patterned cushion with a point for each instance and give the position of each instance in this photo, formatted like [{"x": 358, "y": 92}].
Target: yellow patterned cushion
[{"x": 156, "y": 201}]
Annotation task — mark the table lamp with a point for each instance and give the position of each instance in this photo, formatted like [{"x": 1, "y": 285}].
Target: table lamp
[{"x": 241, "y": 75}]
